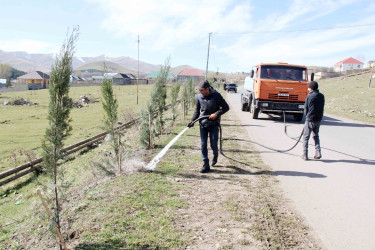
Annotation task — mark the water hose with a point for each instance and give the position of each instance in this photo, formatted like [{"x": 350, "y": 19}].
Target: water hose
[
  {"x": 273, "y": 149},
  {"x": 152, "y": 164}
]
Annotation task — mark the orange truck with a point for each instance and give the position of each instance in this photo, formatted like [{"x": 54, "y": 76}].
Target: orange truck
[{"x": 276, "y": 88}]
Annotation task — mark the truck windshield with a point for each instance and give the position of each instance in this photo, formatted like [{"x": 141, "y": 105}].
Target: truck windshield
[{"x": 279, "y": 72}]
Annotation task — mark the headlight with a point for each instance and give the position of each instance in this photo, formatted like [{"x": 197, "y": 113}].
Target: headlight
[
  {"x": 301, "y": 106},
  {"x": 264, "y": 104}
]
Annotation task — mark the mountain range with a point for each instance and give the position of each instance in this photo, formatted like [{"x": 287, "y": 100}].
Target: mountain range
[{"x": 43, "y": 62}]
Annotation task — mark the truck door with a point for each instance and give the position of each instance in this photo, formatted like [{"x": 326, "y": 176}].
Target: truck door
[{"x": 256, "y": 83}]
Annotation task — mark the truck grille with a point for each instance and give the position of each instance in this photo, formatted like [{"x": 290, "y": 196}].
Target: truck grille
[{"x": 285, "y": 98}]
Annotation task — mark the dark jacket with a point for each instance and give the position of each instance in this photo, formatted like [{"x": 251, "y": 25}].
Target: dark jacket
[
  {"x": 314, "y": 106},
  {"x": 209, "y": 105}
]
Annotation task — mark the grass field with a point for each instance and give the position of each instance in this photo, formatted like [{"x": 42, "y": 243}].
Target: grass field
[
  {"x": 137, "y": 209},
  {"x": 23, "y": 127},
  {"x": 130, "y": 201},
  {"x": 350, "y": 97}
]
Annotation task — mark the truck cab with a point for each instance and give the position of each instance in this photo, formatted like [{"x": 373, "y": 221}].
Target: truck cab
[{"x": 276, "y": 88}]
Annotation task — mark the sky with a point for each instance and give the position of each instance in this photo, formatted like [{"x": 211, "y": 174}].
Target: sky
[{"x": 243, "y": 32}]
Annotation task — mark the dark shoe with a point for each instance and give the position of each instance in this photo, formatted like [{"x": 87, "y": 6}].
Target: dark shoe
[
  {"x": 304, "y": 157},
  {"x": 318, "y": 155},
  {"x": 214, "y": 161},
  {"x": 206, "y": 167}
]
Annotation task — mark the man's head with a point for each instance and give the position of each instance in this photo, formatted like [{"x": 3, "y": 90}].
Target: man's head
[
  {"x": 313, "y": 85},
  {"x": 204, "y": 88}
]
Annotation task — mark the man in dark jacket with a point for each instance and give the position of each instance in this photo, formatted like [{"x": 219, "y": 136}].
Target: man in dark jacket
[
  {"x": 209, "y": 102},
  {"x": 314, "y": 108}
]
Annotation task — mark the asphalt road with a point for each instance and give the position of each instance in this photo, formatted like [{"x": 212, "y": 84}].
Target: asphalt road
[{"x": 335, "y": 194}]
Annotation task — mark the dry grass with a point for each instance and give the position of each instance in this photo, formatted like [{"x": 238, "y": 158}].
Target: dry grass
[{"x": 350, "y": 97}]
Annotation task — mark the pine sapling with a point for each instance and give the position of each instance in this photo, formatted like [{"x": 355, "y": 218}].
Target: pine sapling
[
  {"x": 59, "y": 119},
  {"x": 110, "y": 107}
]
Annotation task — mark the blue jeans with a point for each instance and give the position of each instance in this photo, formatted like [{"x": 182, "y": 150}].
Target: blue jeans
[
  {"x": 213, "y": 132},
  {"x": 311, "y": 126}
]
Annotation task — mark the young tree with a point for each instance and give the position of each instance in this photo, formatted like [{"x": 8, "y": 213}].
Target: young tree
[
  {"x": 191, "y": 93},
  {"x": 59, "y": 118},
  {"x": 185, "y": 99},
  {"x": 152, "y": 121},
  {"x": 110, "y": 107},
  {"x": 5, "y": 71},
  {"x": 147, "y": 129},
  {"x": 159, "y": 94},
  {"x": 174, "y": 96}
]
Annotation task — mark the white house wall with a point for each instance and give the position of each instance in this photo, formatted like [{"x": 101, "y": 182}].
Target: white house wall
[{"x": 347, "y": 66}]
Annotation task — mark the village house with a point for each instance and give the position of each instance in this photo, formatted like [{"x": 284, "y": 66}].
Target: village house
[
  {"x": 121, "y": 79},
  {"x": 109, "y": 75},
  {"x": 76, "y": 79},
  {"x": 34, "y": 80},
  {"x": 188, "y": 74},
  {"x": 348, "y": 64},
  {"x": 153, "y": 75}
]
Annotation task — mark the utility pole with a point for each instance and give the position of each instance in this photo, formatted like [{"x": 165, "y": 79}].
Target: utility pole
[
  {"x": 208, "y": 52},
  {"x": 372, "y": 71},
  {"x": 138, "y": 72}
]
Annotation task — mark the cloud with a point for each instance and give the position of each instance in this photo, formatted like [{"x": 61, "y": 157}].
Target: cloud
[
  {"x": 169, "y": 24},
  {"x": 243, "y": 35},
  {"x": 27, "y": 45},
  {"x": 310, "y": 47},
  {"x": 323, "y": 48}
]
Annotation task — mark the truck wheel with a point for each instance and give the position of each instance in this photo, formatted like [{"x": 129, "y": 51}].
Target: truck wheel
[
  {"x": 254, "y": 112},
  {"x": 298, "y": 117},
  {"x": 244, "y": 106}
]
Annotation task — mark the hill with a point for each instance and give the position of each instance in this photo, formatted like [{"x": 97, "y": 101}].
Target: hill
[
  {"x": 43, "y": 62},
  {"x": 27, "y": 62},
  {"x": 99, "y": 66},
  {"x": 178, "y": 69},
  {"x": 31, "y": 62}
]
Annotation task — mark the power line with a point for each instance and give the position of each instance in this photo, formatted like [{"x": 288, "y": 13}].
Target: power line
[{"x": 287, "y": 31}]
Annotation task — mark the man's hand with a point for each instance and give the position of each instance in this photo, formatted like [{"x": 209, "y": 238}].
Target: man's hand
[
  {"x": 213, "y": 116},
  {"x": 190, "y": 124}
]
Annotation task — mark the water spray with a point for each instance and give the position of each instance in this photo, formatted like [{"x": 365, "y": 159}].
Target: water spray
[{"x": 152, "y": 164}]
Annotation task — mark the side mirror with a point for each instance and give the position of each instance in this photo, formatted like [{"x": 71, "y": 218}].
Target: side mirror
[
  {"x": 252, "y": 73},
  {"x": 312, "y": 76}
]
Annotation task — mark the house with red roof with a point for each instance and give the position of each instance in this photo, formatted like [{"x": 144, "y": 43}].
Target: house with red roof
[
  {"x": 188, "y": 74},
  {"x": 348, "y": 63},
  {"x": 34, "y": 80}
]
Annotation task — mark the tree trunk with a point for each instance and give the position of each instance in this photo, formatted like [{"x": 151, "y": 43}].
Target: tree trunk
[
  {"x": 119, "y": 156},
  {"x": 149, "y": 132},
  {"x": 56, "y": 192},
  {"x": 184, "y": 106}
]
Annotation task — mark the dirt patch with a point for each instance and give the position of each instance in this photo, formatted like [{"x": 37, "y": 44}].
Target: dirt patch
[
  {"x": 84, "y": 101},
  {"x": 19, "y": 101}
]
